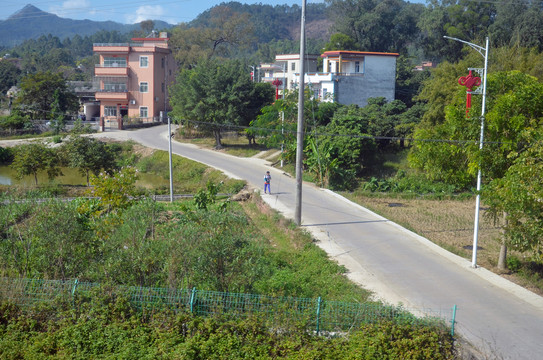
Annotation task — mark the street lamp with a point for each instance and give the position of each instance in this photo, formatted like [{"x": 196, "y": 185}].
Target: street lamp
[
  {"x": 253, "y": 73},
  {"x": 484, "y": 52}
]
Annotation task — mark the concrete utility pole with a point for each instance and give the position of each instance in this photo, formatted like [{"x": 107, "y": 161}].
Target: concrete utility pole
[
  {"x": 170, "y": 157},
  {"x": 484, "y": 52},
  {"x": 300, "y": 131}
]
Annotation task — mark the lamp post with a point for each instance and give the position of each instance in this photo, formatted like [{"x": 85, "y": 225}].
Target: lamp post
[
  {"x": 484, "y": 52},
  {"x": 252, "y": 73}
]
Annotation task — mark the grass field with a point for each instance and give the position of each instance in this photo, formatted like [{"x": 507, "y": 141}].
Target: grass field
[{"x": 450, "y": 224}]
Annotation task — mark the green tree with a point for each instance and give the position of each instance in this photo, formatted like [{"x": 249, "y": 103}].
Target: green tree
[
  {"x": 215, "y": 94},
  {"x": 514, "y": 105},
  {"x": 29, "y": 159},
  {"x": 89, "y": 155},
  {"x": 264, "y": 95},
  {"x": 9, "y": 75},
  {"x": 438, "y": 90},
  {"x": 526, "y": 60},
  {"x": 59, "y": 123},
  {"x": 62, "y": 245},
  {"x": 147, "y": 26},
  {"x": 6, "y": 155},
  {"x": 519, "y": 195},
  {"x": 462, "y": 19},
  {"x": 351, "y": 144},
  {"x": 15, "y": 121},
  {"x": 214, "y": 250},
  {"x": 408, "y": 82},
  {"x": 339, "y": 41},
  {"x": 54, "y": 59},
  {"x": 271, "y": 126},
  {"x": 37, "y": 96},
  {"x": 226, "y": 32},
  {"x": 115, "y": 192},
  {"x": 321, "y": 162},
  {"x": 136, "y": 255},
  {"x": 387, "y": 25}
]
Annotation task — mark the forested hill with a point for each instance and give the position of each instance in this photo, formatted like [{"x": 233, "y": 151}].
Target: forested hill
[
  {"x": 280, "y": 22},
  {"x": 31, "y": 23}
]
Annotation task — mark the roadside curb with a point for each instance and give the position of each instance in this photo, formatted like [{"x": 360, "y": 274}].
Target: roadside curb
[{"x": 496, "y": 280}]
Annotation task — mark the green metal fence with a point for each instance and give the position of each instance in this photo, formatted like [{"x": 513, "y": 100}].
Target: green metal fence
[{"x": 319, "y": 315}]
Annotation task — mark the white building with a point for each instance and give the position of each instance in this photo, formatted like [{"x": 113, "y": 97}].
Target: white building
[
  {"x": 348, "y": 77},
  {"x": 286, "y": 69}
]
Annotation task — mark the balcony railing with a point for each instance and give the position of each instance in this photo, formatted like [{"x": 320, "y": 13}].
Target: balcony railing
[
  {"x": 111, "y": 71},
  {"x": 111, "y": 95},
  {"x": 116, "y": 44},
  {"x": 350, "y": 74},
  {"x": 114, "y": 65},
  {"x": 111, "y": 48}
]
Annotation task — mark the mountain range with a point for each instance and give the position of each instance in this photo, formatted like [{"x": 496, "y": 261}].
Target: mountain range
[{"x": 31, "y": 22}]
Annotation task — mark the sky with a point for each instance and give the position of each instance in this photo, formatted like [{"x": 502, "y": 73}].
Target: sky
[{"x": 128, "y": 12}]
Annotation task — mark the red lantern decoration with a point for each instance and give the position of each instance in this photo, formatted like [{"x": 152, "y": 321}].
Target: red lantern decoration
[
  {"x": 277, "y": 83},
  {"x": 469, "y": 82}
]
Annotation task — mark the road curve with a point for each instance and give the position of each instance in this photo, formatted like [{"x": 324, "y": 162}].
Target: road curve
[{"x": 495, "y": 315}]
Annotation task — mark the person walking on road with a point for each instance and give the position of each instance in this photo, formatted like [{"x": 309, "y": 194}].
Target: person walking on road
[{"x": 267, "y": 179}]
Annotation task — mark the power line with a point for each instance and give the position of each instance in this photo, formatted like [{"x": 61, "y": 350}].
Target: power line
[
  {"x": 362, "y": 136},
  {"x": 102, "y": 8}
]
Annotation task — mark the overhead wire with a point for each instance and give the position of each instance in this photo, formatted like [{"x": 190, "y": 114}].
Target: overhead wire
[
  {"x": 102, "y": 8},
  {"x": 361, "y": 136}
]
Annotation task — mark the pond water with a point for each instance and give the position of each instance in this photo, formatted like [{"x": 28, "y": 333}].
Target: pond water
[{"x": 71, "y": 176}]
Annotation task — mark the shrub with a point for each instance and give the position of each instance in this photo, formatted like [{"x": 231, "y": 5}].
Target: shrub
[
  {"x": 513, "y": 263},
  {"x": 6, "y": 155},
  {"x": 15, "y": 122}
]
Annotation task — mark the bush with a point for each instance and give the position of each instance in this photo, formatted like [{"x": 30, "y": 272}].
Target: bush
[
  {"x": 513, "y": 263},
  {"x": 106, "y": 325},
  {"x": 15, "y": 122},
  {"x": 403, "y": 182},
  {"x": 6, "y": 155}
]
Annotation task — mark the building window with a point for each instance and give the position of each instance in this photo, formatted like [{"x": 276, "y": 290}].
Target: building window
[
  {"x": 144, "y": 61},
  {"x": 110, "y": 111},
  {"x": 359, "y": 66},
  {"x": 115, "y": 87},
  {"x": 114, "y": 62},
  {"x": 293, "y": 66},
  {"x": 144, "y": 87},
  {"x": 324, "y": 93},
  {"x": 162, "y": 87},
  {"x": 163, "y": 62},
  {"x": 144, "y": 112}
]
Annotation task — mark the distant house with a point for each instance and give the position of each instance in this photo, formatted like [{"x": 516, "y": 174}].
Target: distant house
[
  {"x": 134, "y": 78},
  {"x": 85, "y": 92},
  {"x": 425, "y": 65},
  {"x": 285, "y": 70},
  {"x": 348, "y": 77}
]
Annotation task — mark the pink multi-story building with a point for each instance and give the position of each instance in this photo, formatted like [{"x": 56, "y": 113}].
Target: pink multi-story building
[{"x": 134, "y": 78}]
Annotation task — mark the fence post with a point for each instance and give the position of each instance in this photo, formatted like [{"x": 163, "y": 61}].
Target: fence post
[
  {"x": 192, "y": 299},
  {"x": 318, "y": 313},
  {"x": 453, "y": 320},
  {"x": 74, "y": 287},
  {"x": 73, "y": 291}
]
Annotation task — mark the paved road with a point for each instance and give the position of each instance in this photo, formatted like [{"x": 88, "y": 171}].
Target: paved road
[{"x": 399, "y": 266}]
